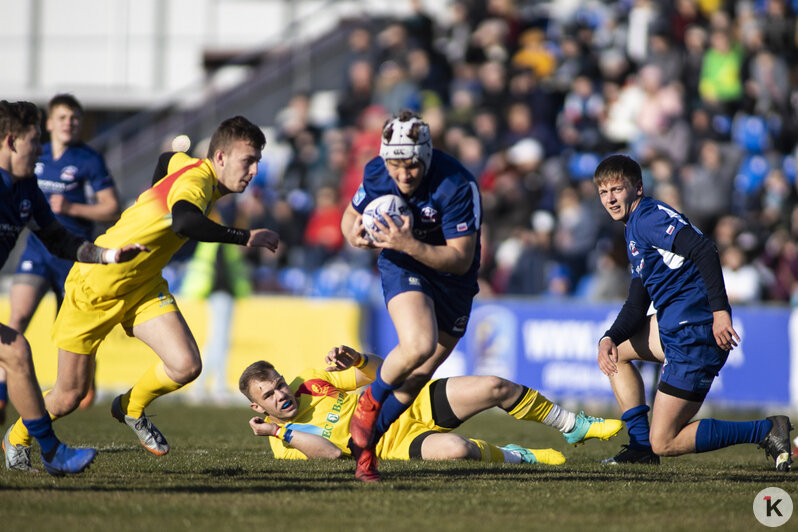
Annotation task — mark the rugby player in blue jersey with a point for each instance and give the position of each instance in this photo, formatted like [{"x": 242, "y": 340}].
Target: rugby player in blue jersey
[
  {"x": 429, "y": 279},
  {"x": 678, "y": 270},
  {"x": 22, "y": 204},
  {"x": 429, "y": 271},
  {"x": 80, "y": 190}
]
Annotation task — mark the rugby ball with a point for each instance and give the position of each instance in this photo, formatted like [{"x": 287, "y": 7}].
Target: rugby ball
[{"x": 387, "y": 205}]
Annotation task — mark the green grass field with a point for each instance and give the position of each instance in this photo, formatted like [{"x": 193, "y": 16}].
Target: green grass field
[{"x": 219, "y": 476}]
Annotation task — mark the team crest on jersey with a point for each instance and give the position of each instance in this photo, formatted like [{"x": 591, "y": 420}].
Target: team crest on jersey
[
  {"x": 429, "y": 215},
  {"x": 359, "y": 195},
  {"x": 38, "y": 169},
  {"x": 24, "y": 210},
  {"x": 633, "y": 248},
  {"x": 68, "y": 173}
]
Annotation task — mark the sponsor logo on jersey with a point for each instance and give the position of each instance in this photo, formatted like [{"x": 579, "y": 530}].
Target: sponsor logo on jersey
[
  {"x": 429, "y": 215},
  {"x": 68, "y": 173},
  {"x": 640, "y": 266},
  {"x": 633, "y": 248},
  {"x": 38, "y": 169},
  {"x": 460, "y": 324},
  {"x": 414, "y": 281},
  {"x": 359, "y": 195}
]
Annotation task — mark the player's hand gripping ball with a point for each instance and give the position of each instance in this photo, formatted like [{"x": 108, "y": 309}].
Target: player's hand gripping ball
[{"x": 388, "y": 205}]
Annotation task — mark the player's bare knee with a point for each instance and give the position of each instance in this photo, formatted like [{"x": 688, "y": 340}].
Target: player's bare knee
[
  {"x": 418, "y": 351},
  {"x": 662, "y": 446},
  {"x": 15, "y": 353},
  {"x": 498, "y": 389},
  {"x": 415, "y": 382}
]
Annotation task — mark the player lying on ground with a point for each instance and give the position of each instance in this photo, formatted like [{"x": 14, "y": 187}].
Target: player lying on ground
[
  {"x": 22, "y": 204},
  {"x": 137, "y": 296},
  {"x": 676, "y": 268},
  {"x": 310, "y": 416}
]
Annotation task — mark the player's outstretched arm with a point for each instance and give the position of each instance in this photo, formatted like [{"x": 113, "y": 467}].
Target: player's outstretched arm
[
  {"x": 311, "y": 445},
  {"x": 66, "y": 245},
  {"x": 189, "y": 222}
]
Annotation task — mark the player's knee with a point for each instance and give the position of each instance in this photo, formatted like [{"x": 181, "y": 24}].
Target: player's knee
[
  {"x": 498, "y": 389},
  {"x": 662, "y": 446},
  {"x": 415, "y": 382},
  {"x": 447, "y": 447},
  {"x": 15, "y": 354},
  {"x": 418, "y": 350},
  {"x": 186, "y": 371}
]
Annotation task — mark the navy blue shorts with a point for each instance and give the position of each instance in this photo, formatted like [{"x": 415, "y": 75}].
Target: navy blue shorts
[
  {"x": 42, "y": 263},
  {"x": 692, "y": 361},
  {"x": 451, "y": 296}
]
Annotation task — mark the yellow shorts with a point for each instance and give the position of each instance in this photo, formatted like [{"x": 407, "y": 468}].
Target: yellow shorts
[
  {"x": 414, "y": 422},
  {"x": 86, "y": 317}
]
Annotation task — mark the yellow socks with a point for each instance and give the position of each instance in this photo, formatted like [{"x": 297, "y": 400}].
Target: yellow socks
[
  {"x": 531, "y": 406},
  {"x": 153, "y": 384},
  {"x": 490, "y": 453}
]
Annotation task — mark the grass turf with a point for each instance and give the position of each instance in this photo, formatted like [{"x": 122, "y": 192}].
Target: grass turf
[{"x": 218, "y": 476}]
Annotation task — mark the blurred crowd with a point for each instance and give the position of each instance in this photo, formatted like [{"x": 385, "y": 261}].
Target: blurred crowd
[{"x": 530, "y": 96}]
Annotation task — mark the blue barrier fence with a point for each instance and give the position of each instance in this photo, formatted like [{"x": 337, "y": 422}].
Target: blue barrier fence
[{"x": 551, "y": 346}]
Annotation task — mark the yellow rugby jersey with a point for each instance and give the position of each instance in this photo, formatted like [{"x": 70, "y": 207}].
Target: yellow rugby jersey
[
  {"x": 325, "y": 408},
  {"x": 149, "y": 222}
]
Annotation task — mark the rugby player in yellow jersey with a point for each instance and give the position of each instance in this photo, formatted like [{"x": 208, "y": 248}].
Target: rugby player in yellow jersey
[
  {"x": 309, "y": 418},
  {"x": 135, "y": 294}
]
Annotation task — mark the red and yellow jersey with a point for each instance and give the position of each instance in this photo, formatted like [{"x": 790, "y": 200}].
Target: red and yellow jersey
[
  {"x": 149, "y": 222},
  {"x": 325, "y": 408},
  {"x": 326, "y": 405}
]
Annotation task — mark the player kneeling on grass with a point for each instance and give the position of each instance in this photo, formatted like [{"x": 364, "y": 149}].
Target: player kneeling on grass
[{"x": 309, "y": 418}]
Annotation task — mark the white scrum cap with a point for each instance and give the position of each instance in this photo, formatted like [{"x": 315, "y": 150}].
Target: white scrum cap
[{"x": 408, "y": 139}]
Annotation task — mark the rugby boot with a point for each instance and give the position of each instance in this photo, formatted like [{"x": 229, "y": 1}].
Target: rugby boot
[
  {"x": 629, "y": 455},
  {"x": 777, "y": 442},
  {"x": 366, "y": 463},
  {"x": 364, "y": 419},
  {"x": 537, "y": 456},
  {"x": 17, "y": 456},
  {"x": 149, "y": 436},
  {"x": 587, "y": 428},
  {"x": 68, "y": 460}
]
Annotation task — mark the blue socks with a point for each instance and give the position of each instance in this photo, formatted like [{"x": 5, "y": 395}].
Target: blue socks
[
  {"x": 636, "y": 420},
  {"x": 380, "y": 389},
  {"x": 42, "y": 429},
  {"x": 716, "y": 434},
  {"x": 390, "y": 412},
  {"x": 3, "y": 391}
]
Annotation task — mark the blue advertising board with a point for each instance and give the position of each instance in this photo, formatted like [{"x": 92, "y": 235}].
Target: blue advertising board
[{"x": 551, "y": 346}]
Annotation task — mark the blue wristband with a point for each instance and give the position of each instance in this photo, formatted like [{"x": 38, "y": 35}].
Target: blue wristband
[{"x": 287, "y": 436}]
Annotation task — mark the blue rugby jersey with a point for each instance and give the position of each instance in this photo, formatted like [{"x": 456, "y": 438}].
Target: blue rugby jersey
[
  {"x": 21, "y": 204},
  {"x": 674, "y": 283},
  {"x": 77, "y": 175},
  {"x": 446, "y": 205}
]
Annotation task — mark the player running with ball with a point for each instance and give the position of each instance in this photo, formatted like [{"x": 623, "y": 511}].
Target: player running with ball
[{"x": 428, "y": 272}]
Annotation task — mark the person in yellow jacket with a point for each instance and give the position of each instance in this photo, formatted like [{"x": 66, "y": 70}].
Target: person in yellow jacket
[{"x": 219, "y": 274}]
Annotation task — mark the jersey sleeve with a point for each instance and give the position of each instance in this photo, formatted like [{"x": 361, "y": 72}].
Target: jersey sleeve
[
  {"x": 462, "y": 212},
  {"x": 98, "y": 176},
  {"x": 660, "y": 226},
  {"x": 41, "y": 213},
  {"x": 366, "y": 191},
  {"x": 283, "y": 451}
]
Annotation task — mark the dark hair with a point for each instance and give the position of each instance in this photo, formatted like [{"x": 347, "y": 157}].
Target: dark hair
[
  {"x": 67, "y": 100},
  {"x": 17, "y": 117},
  {"x": 260, "y": 370},
  {"x": 618, "y": 167},
  {"x": 236, "y": 128},
  {"x": 403, "y": 116}
]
